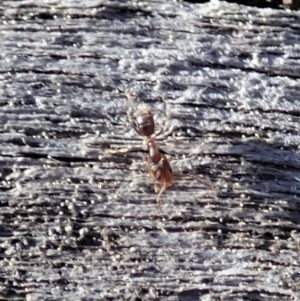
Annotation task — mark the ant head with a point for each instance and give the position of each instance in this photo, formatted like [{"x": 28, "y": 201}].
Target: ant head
[{"x": 144, "y": 122}]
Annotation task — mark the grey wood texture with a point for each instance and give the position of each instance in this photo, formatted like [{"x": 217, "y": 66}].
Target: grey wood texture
[{"x": 78, "y": 224}]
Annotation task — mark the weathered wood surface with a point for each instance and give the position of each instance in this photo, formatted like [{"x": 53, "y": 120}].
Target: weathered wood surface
[{"x": 76, "y": 224}]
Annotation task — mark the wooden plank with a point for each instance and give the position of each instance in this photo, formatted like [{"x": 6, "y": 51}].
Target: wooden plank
[{"x": 79, "y": 224}]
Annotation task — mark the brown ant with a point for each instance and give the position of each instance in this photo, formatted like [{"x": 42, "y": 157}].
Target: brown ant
[{"x": 157, "y": 163}]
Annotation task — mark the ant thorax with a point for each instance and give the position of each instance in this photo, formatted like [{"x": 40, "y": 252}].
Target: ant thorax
[{"x": 154, "y": 154}]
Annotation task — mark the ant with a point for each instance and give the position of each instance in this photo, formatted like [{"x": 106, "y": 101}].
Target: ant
[{"x": 157, "y": 163}]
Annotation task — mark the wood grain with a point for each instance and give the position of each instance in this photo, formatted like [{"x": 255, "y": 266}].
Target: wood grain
[{"x": 79, "y": 224}]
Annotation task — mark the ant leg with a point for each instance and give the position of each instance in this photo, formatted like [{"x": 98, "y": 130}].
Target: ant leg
[
  {"x": 161, "y": 130},
  {"x": 152, "y": 175},
  {"x": 164, "y": 131},
  {"x": 129, "y": 96},
  {"x": 163, "y": 188},
  {"x": 202, "y": 181},
  {"x": 122, "y": 150},
  {"x": 129, "y": 116},
  {"x": 129, "y": 111},
  {"x": 133, "y": 125}
]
